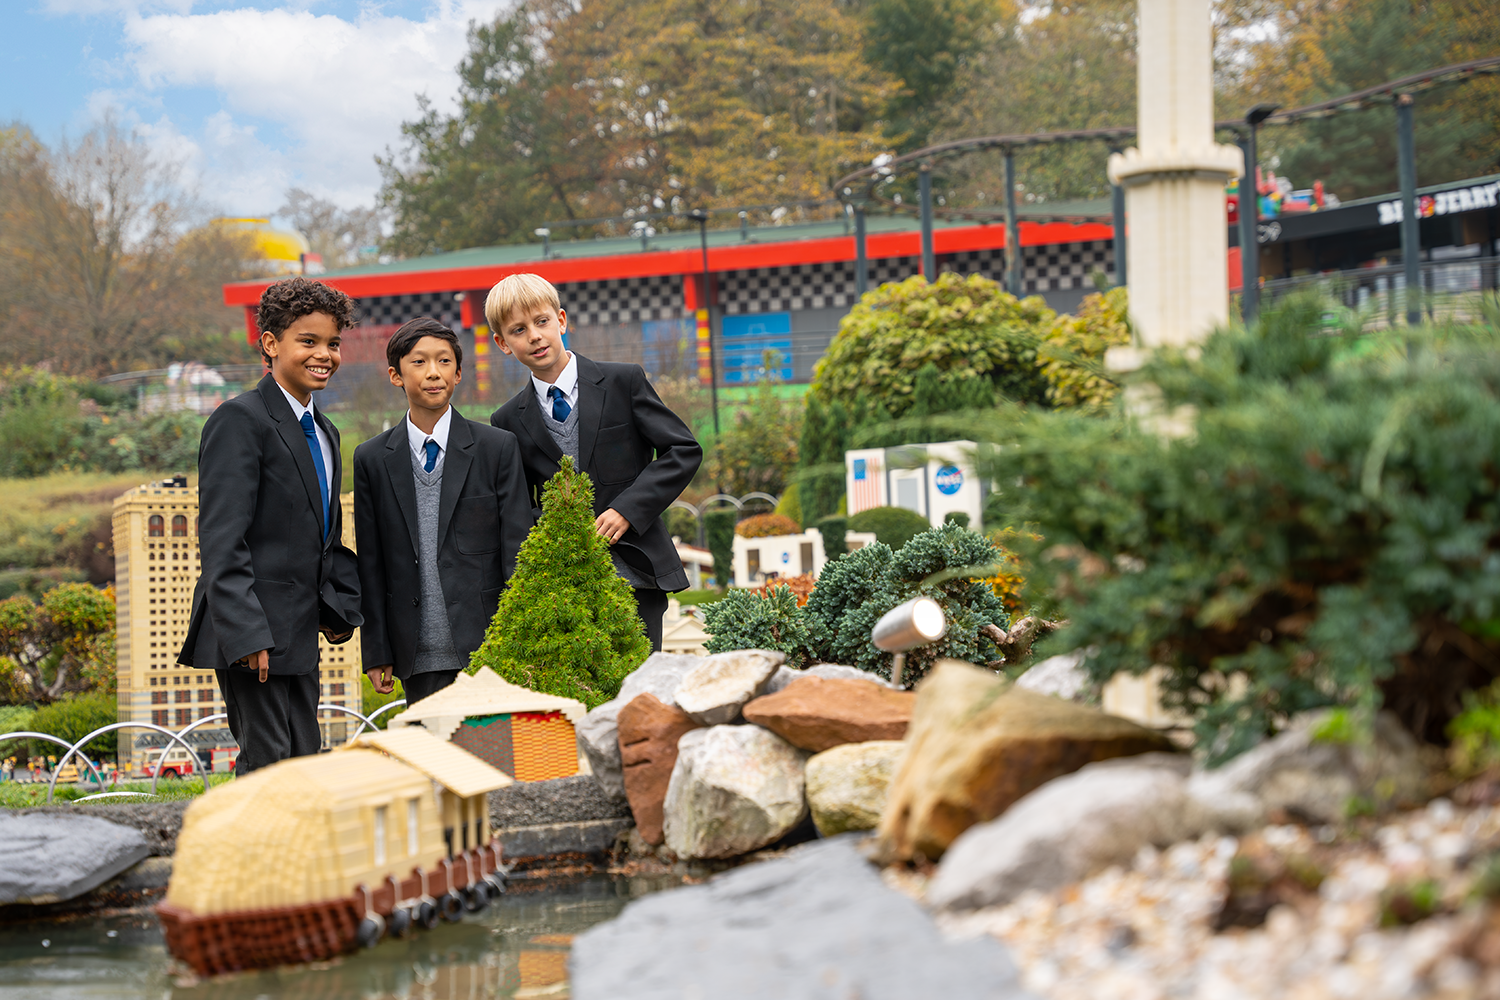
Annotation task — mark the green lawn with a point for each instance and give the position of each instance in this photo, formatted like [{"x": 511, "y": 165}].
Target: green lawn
[
  {"x": 19, "y": 795},
  {"x": 698, "y": 597}
]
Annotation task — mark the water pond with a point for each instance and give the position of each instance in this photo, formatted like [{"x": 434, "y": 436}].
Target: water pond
[{"x": 518, "y": 947}]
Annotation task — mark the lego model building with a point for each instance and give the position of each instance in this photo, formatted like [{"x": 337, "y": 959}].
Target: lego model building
[
  {"x": 526, "y": 734},
  {"x": 309, "y": 857},
  {"x": 156, "y": 568}
]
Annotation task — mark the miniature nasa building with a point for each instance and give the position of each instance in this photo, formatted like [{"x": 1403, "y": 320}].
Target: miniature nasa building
[
  {"x": 526, "y": 734},
  {"x": 307, "y": 858},
  {"x": 934, "y": 480}
]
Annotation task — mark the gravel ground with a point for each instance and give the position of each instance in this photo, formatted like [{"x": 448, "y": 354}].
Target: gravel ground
[
  {"x": 561, "y": 800},
  {"x": 1395, "y": 910}
]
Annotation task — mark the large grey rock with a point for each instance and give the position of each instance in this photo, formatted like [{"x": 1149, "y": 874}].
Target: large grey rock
[
  {"x": 598, "y": 734},
  {"x": 734, "y": 789},
  {"x": 846, "y": 786},
  {"x": 1070, "y": 828},
  {"x": 1062, "y": 676},
  {"x": 716, "y": 689},
  {"x": 832, "y": 671},
  {"x": 50, "y": 857},
  {"x": 1315, "y": 779},
  {"x": 817, "y": 923}
]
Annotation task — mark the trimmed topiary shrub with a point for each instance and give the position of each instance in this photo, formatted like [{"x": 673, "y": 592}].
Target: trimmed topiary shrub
[
  {"x": 895, "y": 526},
  {"x": 833, "y": 528},
  {"x": 1073, "y": 354},
  {"x": 718, "y": 532},
  {"x": 72, "y": 718},
  {"x": 566, "y": 624},
  {"x": 766, "y": 525}
]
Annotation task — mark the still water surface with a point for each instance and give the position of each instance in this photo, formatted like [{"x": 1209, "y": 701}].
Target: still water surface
[{"x": 518, "y": 948}]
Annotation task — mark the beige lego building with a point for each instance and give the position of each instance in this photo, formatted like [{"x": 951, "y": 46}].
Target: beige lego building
[{"x": 156, "y": 568}]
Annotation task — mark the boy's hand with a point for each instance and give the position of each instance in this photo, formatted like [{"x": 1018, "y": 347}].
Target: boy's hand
[
  {"x": 380, "y": 677},
  {"x": 611, "y": 524},
  {"x": 259, "y": 662}
]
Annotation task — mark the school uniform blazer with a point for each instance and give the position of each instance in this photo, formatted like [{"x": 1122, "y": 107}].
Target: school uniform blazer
[
  {"x": 639, "y": 454},
  {"x": 483, "y": 517},
  {"x": 270, "y": 579}
]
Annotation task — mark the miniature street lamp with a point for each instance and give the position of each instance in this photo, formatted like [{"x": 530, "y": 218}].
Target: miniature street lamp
[{"x": 915, "y": 623}]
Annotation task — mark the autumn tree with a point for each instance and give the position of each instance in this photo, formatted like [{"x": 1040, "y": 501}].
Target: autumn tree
[
  {"x": 104, "y": 268},
  {"x": 610, "y": 108},
  {"x": 341, "y": 236},
  {"x": 64, "y": 644}
]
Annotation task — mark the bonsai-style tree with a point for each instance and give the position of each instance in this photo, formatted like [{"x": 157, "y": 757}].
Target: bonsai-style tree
[{"x": 566, "y": 625}]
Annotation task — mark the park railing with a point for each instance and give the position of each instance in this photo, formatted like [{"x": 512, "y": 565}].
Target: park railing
[
  {"x": 177, "y": 736},
  {"x": 1450, "y": 289}
]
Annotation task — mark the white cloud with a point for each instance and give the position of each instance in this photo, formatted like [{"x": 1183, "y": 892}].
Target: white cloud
[{"x": 308, "y": 99}]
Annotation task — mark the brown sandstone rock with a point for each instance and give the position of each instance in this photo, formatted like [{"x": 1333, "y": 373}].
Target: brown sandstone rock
[
  {"x": 817, "y": 714},
  {"x": 976, "y": 744},
  {"x": 649, "y": 731}
]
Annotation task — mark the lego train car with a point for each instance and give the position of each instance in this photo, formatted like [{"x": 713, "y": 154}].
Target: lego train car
[{"x": 314, "y": 856}]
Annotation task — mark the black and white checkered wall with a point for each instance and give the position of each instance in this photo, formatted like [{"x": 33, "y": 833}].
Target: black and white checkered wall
[
  {"x": 1058, "y": 267},
  {"x": 383, "y": 310},
  {"x": 629, "y": 300}
]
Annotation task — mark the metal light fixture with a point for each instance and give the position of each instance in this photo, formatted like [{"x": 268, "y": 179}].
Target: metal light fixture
[{"x": 917, "y": 622}]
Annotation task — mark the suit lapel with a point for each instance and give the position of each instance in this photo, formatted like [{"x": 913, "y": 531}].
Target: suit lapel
[
  {"x": 296, "y": 441},
  {"x": 590, "y": 408},
  {"x": 531, "y": 419},
  {"x": 455, "y": 470},
  {"x": 403, "y": 483}
]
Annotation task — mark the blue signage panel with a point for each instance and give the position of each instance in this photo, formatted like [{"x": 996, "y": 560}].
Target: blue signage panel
[{"x": 745, "y": 341}]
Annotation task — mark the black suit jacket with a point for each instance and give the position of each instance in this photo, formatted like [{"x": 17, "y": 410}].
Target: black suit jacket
[
  {"x": 639, "y": 454},
  {"x": 483, "y": 517},
  {"x": 269, "y": 578}
]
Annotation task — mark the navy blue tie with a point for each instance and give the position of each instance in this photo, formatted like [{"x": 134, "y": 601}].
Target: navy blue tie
[
  {"x": 431, "y": 447},
  {"x": 560, "y": 407},
  {"x": 311, "y": 433}
]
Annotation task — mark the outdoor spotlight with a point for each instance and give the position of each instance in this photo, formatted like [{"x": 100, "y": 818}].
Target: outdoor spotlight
[
  {"x": 1260, "y": 113},
  {"x": 915, "y": 623},
  {"x": 698, "y": 215}
]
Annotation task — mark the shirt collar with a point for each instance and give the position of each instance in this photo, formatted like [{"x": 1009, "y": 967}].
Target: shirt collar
[
  {"x": 417, "y": 437},
  {"x": 567, "y": 381},
  {"x": 297, "y": 408}
]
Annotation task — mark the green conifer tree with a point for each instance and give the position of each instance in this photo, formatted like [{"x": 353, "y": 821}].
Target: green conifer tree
[{"x": 566, "y": 625}]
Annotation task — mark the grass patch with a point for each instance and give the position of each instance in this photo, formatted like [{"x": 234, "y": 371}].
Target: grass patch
[
  {"x": 57, "y": 528},
  {"x": 698, "y": 597},
  {"x": 22, "y": 795}
]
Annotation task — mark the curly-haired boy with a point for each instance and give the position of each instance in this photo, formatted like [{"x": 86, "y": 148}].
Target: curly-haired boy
[{"x": 274, "y": 569}]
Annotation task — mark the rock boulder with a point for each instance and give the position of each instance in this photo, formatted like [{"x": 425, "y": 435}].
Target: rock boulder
[
  {"x": 715, "y": 690},
  {"x": 1070, "y": 828},
  {"x": 817, "y": 923},
  {"x": 1062, "y": 676},
  {"x": 649, "y": 731},
  {"x": 734, "y": 789},
  {"x": 976, "y": 745},
  {"x": 818, "y": 714},
  {"x": 598, "y": 733},
  {"x": 846, "y": 786},
  {"x": 50, "y": 858}
]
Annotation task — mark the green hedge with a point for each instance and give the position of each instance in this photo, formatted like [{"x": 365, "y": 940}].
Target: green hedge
[{"x": 894, "y": 526}]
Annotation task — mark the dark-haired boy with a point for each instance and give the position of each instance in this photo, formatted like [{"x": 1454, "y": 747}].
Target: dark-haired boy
[
  {"x": 440, "y": 512},
  {"x": 639, "y": 454},
  {"x": 274, "y": 569}
]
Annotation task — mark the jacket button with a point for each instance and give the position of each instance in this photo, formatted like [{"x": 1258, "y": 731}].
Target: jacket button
[{"x": 415, "y": 601}]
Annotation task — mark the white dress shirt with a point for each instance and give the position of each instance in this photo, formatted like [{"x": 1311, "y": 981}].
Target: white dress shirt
[
  {"x": 324, "y": 445},
  {"x": 567, "y": 384},
  {"x": 417, "y": 437}
]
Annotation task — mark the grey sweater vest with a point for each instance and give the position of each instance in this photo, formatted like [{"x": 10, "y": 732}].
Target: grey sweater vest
[
  {"x": 566, "y": 436},
  {"x": 435, "y": 650}
]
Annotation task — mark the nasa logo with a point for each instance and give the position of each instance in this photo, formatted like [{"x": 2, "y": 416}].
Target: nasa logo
[{"x": 949, "y": 480}]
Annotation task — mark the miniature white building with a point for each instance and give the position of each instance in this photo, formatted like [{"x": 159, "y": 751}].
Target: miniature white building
[
  {"x": 770, "y": 557},
  {"x": 931, "y": 479},
  {"x": 682, "y": 630}
]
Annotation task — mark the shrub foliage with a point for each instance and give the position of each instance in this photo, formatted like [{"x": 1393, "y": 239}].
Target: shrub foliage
[
  {"x": 566, "y": 624},
  {"x": 766, "y": 525},
  {"x": 1327, "y": 532},
  {"x": 894, "y": 526},
  {"x": 851, "y": 595}
]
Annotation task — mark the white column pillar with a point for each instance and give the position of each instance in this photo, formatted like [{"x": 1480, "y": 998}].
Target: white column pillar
[{"x": 1174, "y": 183}]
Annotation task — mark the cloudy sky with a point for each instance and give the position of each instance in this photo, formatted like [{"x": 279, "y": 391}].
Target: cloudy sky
[{"x": 253, "y": 96}]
